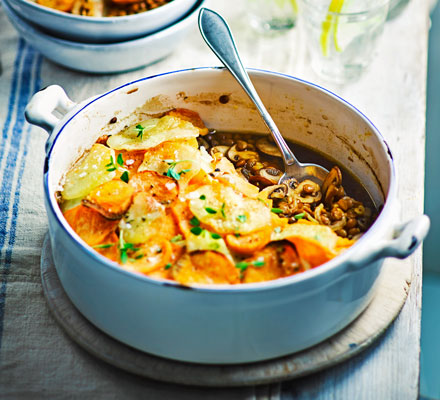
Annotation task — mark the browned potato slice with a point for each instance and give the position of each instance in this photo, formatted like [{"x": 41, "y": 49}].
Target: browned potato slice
[
  {"x": 109, "y": 247},
  {"x": 205, "y": 267},
  {"x": 189, "y": 115},
  {"x": 248, "y": 244},
  {"x": 111, "y": 199},
  {"x": 162, "y": 188},
  {"x": 89, "y": 224}
]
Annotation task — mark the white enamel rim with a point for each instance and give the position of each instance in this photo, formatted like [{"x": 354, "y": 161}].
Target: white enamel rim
[{"x": 382, "y": 222}]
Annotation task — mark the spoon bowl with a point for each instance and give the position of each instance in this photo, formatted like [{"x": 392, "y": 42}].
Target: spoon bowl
[{"x": 216, "y": 33}]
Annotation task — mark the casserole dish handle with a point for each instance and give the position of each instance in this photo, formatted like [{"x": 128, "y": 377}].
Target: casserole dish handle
[
  {"x": 406, "y": 238},
  {"x": 40, "y": 110}
]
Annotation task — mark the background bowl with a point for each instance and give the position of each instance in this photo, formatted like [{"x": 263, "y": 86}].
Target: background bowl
[
  {"x": 106, "y": 58},
  {"x": 100, "y": 29}
]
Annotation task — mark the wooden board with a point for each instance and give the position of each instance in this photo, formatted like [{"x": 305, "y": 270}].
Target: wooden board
[{"x": 389, "y": 298}]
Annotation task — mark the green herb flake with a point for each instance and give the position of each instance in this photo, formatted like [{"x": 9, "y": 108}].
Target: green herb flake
[
  {"x": 194, "y": 221},
  {"x": 120, "y": 160},
  {"x": 176, "y": 238},
  {"x": 242, "y": 265},
  {"x": 202, "y": 197},
  {"x": 236, "y": 234},
  {"x": 210, "y": 210},
  {"x": 171, "y": 173},
  {"x": 258, "y": 263},
  {"x": 111, "y": 165},
  {"x": 139, "y": 256},
  {"x": 196, "y": 230},
  {"x": 222, "y": 210},
  {"x": 215, "y": 235},
  {"x": 103, "y": 246},
  {"x": 140, "y": 130},
  {"x": 125, "y": 177},
  {"x": 242, "y": 218},
  {"x": 276, "y": 210},
  {"x": 124, "y": 257},
  {"x": 168, "y": 266},
  {"x": 300, "y": 216}
]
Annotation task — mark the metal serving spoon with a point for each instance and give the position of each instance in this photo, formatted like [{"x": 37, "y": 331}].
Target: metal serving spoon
[{"x": 217, "y": 35}]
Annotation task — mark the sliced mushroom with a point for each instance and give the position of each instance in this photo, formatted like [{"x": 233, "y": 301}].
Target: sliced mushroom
[
  {"x": 244, "y": 172},
  {"x": 218, "y": 149},
  {"x": 332, "y": 186},
  {"x": 260, "y": 181},
  {"x": 308, "y": 192},
  {"x": 272, "y": 174},
  {"x": 202, "y": 142},
  {"x": 277, "y": 191},
  {"x": 234, "y": 154},
  {"x": 267, "y": 147}
]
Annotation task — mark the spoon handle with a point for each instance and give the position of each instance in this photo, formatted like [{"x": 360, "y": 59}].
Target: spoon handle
[{"x": 217, "y": 35}]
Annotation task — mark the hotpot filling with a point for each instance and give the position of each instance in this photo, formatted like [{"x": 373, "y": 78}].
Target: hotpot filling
[
  {"x": 103, "y": 8},
  {"x": 169, "y": 199}
]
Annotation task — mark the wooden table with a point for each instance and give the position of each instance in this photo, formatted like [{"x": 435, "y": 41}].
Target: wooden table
[{"x": 391, "y": 93}]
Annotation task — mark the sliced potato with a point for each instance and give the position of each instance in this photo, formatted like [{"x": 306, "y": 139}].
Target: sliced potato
[
  {"x": 152, "y": 132},
  {"x": 89, "y": 172},
  {"x": 147, "y": 218},
  {"x": 205, "y": 267},
  {"x": 191, "y": 116},
  {"x": 226, "y": 173},
  {"x": 111, "y": 199},
  {"x": 226, "y": 211},
  {"x": 69, "y": 204},
  {"x": 206, "y": 241},
  {"x": 164, "y": 155},
  {"x": 89, "y": 224}
]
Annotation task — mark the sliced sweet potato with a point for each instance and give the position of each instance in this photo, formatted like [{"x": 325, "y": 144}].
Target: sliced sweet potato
[
  {"x": 109, "y": 247},
  {"x": 152, "y": 255},
  {"x": 205, "y": 267},
  {"x": 89, "y": 224},
  {"x": 191, "y": 116},
  {"x": 289, "y": 260},
  {"x": 111, "y": 199},
  {"x": 62, "y": 5},
  {"x": 264, "y": 265},
  {"x": 248, "y": 244},
  {"x": 162, "y": 188},
  {"x": 132, "y": 159},
  {"x": 311, "y": 250}
]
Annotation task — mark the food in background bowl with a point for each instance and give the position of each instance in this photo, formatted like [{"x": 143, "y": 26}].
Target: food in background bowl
[
  {"x": 101, "y": 8},
  {"x": 167, "y": 199}
]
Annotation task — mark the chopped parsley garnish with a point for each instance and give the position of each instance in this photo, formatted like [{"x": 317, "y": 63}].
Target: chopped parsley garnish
[
  {"x": 300, "y": 216},
  {"x": 125, "y": 177},
  {"x": 111, "y": 165},
  {"x": 194, "y": 221},
  {"x": 176, "y": 239},
  {"x": 276, "y": 210},
  {"x": 202, "y": 197},
  {"x": 103, "y": 246},
  {"x": 168, "y": 266},
  {"x": 139, "y": 256},
  {"x": 210, "y": 210},
  {"x": 196, "y": 230},
  {"x": 237, "y": 234},
  {"x": 124, "y": 247},
  {"x": 120, "y": 160},
  {"x": 172, "y": 173},
  {"x": 242, "y": 218},
  {"x": 222, "y": 210},
  {"x": 140, "y": 130},
  {"x": 215, "y": 235},
  {"x": 242, "y": 265}
]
